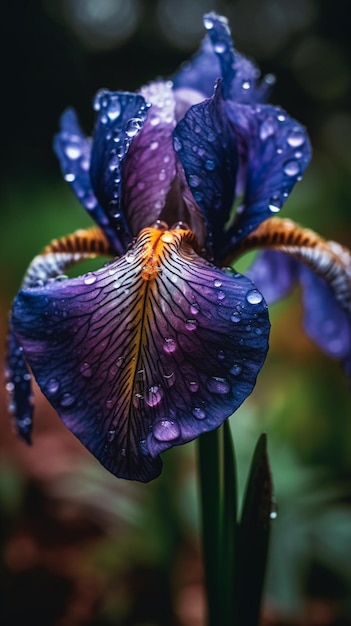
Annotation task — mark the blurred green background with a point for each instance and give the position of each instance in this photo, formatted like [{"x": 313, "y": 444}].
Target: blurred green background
[{"x": 78, "y": 546}]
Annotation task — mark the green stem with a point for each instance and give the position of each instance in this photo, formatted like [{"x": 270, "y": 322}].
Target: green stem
[{"x": 210, "y": 501}]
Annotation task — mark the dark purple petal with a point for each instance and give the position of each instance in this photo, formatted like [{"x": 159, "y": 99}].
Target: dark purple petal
[
  {"x": 19, "y": 387},
  {"x": 121, "y": 117},
  {"x": 150, "y": 167},
  {"x": 274, "y": 151},
  {"x": 274, "y": 274},
  {"x": 325, "y": 321},
  {"x": 218, "y": 58},
  {"x": 73, "y": 150},
  {"x": 146, "y": 353},
  {"x": 239, "y": 75},
  {"x": 206, "y": 146}
]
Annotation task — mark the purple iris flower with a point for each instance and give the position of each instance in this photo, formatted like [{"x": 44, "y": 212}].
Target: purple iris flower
[{"x": 162, "y": 343}]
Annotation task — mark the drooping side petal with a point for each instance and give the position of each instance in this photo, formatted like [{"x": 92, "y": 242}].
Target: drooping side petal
[
  {"x": 325, "y": 321},
  {"x": 121, "y": 117},
  {"x": 150, "y": 167},
  {"x": 146, "y": 353},
  {"x": 56, "y": 258},
  {"x": 296, "y": 255},
  {"x": 274, "y": 151},
  {"x": 206, "y": 146},
  {"x": 73, "y": 150},
  {"x": 19, "y": 387}
]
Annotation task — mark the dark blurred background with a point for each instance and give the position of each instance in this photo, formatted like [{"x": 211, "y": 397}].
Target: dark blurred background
[{"x": 78, "y": 546}]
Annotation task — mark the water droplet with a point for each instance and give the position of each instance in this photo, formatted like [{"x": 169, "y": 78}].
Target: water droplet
[
  {"x": 133, "y": 126},
  {"x": 169, "y": 345},
  {"x": 281, "y": 117},
  {"x": 113, "y": 108},
  {"x": 89, "y": 279},
  {"x": 291, "y": 168},
  {"x": 154, "y": 145},
  {"x": 9, "y": 387},
  {"x": 111, "y": 435},
  {"x": 220, "y": 295},
  {"x": 166, "y": 430},
  {"x": 221, "y": 355},
  {"x": 254, "y": 296},
  {"x": 246, "y": 84},
  {"x": 191, "y": 324},
  {"x": 160, "y": 225},
  {"x": 73, "y": 151},
  {"x": 194, "y": 180},
  {"x": 267, "y": 128},
  {"x": 85, "y": 370},
  {"x": 90, "y": 201},
  {"x": 109, "y": 404},
  {"x": 52, "y": 386},
  {"x": 235, "y": 318},
  {"x": 274, "y": 509},
  {"x": 210, "y": 165},
  {"x": 218, "y": 385},
  {"x": 194, "y": 308},
  {"x": 70, "y": 177},
  {"x": 275, "y": 204},
  {"x": 120, "y": 361},
  {"x": 180, "y": 226},
  {"x": 130, "y": 256},
  {"x": 211, "y": 137},
  {"x": 217, "y": 282},
  {"x": 153, "y": 396},
  {"x": 67, "y": 399},
  {"x": 177, "y": 144},
  {"x": 169, "y": 379},
  {"x": 295, "y": 138},
  {"x": 208, "y": 22},
  {"x": 162, "y": 175},
  {"x": 219, "y": 47},
  {"x": 199, "y": 413},
  {"x": 236, "y": 369},
  {"x": 193, "y": 386}
]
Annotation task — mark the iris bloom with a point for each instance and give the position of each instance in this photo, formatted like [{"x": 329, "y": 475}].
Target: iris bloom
[{"x": 165, "y": 341}]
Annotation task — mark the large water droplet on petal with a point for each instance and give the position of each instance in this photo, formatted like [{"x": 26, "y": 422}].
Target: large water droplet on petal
[
  {"x": 254, "y": 296},
  {"x": 166, "y": 430},
  {"x": 199, "y": 413},
  {"x": 67, "y": 400},
  {"x": 114, "y": 108},
  {"x": 169, "y": 345},
  {"x": 291, "y": 168},
  {"x": 133, "y": 126}
]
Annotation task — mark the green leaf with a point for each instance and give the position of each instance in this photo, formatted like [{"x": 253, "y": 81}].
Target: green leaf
[{"x": 253, "y": 537}]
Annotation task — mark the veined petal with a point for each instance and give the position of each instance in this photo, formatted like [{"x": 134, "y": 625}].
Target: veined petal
[
  {"x": 121, "y": 117},
  {"x": 274, "y": 151},
  {"x": 149, "y": 352},
  {"x": 206, "y": 146},
  {"x": 73, "y": 150},
  {"x": 150, "y": 166}
]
